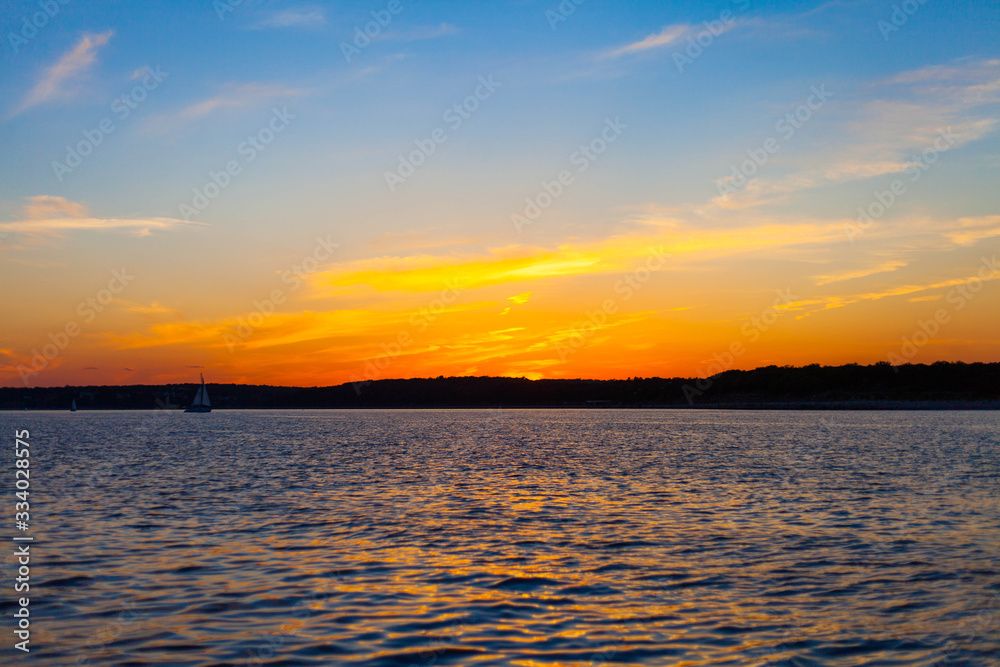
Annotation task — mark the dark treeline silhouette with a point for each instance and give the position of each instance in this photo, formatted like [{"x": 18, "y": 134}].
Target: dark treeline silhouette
[{"x": 939, "y": 385}]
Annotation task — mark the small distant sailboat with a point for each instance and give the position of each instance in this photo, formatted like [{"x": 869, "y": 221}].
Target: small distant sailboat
[
  {"x": 72, "y": 407},
  {"x": 201, "y": 402}
]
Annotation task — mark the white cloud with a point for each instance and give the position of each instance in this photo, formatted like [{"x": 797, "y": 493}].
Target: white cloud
[
  {"x": 47, "y": 215},
  {"x": 230, "y": 96},
  {"x": 668, "y": 35},
  {"x": 886, "y": 133},
  {"x": 892, "y": 265},
  {"x": 971, "y": 230},
  {"x": 303, "y": 17},
  {"x": 47, "y": 206},
  {"x": 811, "y": 306},
  {"x": 237, "y": 96},
  {"x": 421, "y": 33},
  {"x": 76, "y": 61}
]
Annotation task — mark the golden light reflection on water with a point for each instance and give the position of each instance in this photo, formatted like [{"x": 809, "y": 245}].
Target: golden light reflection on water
[{"x": 562, "y": 538}]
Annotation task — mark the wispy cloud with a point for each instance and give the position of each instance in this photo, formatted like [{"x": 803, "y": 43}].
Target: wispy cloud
[
  {"x": 46, "y": 215},
  {"x": 519, "y": 299},
  {"x": 48, "y": 206},
  {"x": 302, "y": 17},
  {"x": 667, "y": 36},
  {"x": 54, "y": 226},
  {"x": 892, "y": 265},
  {"x": 516, "y": 264},
  {"x": 420, "y": 239},
  {"x": 971, "y": 230},
  {"x": 152, "y": 309},
  {"x": 811, "y": 306},
  {"x": 56, "y": 78},
  {"x": 885, "y": 133},
  {"x": 516, "y": 300},
  {"x": 421, "y": 33},
  {"x": 238, "y": 95},
  {"x": 229, "y": 97}
]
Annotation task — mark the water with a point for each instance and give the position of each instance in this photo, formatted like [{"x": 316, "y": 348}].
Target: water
[{"x": 511, "y": 537}]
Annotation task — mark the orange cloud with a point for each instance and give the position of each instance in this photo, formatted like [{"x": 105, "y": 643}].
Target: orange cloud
[
  {"x": 516, "y": 264},
  {"x": 46, "y": 215}
]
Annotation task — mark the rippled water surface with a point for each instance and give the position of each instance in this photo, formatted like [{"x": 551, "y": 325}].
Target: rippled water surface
[{"x": 511, "y": 537}]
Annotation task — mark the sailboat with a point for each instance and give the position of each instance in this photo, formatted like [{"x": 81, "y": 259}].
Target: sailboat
[
  {"x": 72, "y": 407},
  {"x": 201, "y": 402}
]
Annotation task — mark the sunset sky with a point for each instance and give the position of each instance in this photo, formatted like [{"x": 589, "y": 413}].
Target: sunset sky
[{"x": 262, "y": 192}]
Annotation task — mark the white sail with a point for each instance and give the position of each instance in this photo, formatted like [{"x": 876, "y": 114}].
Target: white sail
[{"x": 200, "y": 402}]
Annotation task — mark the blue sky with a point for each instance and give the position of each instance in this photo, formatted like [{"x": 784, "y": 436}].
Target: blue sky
[
  {"x": 348, "y": 123},
  {"x": 354, "y": 118}
]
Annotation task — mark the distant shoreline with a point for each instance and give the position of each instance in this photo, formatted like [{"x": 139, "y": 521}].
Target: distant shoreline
[
  {"x": 900, "y": 406},
  {"x": 938, "y": 386}
]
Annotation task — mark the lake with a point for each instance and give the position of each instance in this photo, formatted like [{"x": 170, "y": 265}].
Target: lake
[{"x": 498, "y": 537}]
